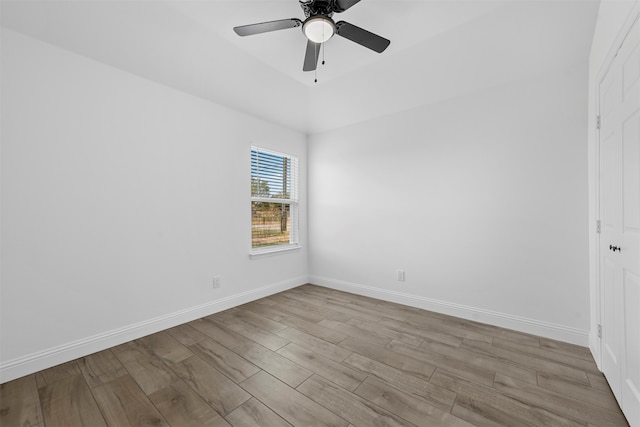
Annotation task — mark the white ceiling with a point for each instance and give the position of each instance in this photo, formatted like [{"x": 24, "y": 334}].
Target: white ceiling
[{"x": 439, "y": 49}]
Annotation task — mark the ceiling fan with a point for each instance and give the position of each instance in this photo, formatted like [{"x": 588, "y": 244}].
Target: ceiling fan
[{"x": 319, "y": 27}]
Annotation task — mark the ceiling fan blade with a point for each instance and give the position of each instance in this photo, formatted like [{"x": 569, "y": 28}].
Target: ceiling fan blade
[
  {"x": 362, "y": 37},
  {"x": 311, "y": 56},
  {"x": 342, "y": 5},
  {"x": 265, "y": 27}
]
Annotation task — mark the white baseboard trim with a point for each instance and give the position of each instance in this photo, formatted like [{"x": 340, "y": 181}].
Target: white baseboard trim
[
  {"x": 521, "y": 324},
  {"x": 594, "y": 346},
  {"x": 34, "y": 362}
]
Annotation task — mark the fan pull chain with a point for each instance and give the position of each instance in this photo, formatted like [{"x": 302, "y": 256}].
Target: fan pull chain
[
  {"x": 315, "y": 71},
  {"x": 315, "y": 80},
  {"x": 323, "y": 45}
]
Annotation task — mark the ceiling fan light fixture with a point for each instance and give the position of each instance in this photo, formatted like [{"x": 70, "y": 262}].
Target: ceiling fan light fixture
[{"x": 319, "y": 28}]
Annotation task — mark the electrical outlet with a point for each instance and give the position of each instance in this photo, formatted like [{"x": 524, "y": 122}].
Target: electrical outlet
[
  {"x": 217, "y": 281},
  {"x": 400, "y": 275}
]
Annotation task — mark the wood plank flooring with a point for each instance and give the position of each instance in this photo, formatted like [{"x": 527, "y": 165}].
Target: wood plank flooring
[{"x": 312, "y": 356}]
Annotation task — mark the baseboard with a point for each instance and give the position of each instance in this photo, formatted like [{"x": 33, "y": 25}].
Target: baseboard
[
  {"x": 34, "y": 362},
  {"x": 521, "y": 324},
  {"x": 594, "y": 346}
]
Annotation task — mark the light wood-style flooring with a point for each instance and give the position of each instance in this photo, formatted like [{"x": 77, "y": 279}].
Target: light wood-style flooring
[{"x": 312, "y": 356}]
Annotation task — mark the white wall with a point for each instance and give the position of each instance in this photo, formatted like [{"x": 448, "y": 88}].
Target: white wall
[
  {"x": 121, "y": 199},
  {"x": 614, "y": 19},
  {"x": 482, "y": 200}
]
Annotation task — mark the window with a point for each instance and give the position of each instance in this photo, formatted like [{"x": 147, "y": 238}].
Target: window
[{"x": 274, "y": 201}]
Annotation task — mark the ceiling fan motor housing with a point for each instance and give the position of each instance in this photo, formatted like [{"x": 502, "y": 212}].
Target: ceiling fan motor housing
[{"x": 319, "y": 7}]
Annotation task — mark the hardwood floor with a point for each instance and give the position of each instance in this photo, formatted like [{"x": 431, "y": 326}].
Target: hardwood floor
[{"x": 312, "y": 356}]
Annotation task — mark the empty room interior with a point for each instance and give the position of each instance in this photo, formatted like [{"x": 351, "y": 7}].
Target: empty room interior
[{"x": 320, "y": 212}]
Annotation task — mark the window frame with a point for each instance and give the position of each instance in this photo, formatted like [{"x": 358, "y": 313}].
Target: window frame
[{"x": 292, "y": 201}]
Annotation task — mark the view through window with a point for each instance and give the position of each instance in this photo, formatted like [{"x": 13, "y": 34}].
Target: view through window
[{"x": 274, "y": 199}]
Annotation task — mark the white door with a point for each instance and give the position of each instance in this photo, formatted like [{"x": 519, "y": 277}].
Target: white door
[{"x": 620, "y": 225}]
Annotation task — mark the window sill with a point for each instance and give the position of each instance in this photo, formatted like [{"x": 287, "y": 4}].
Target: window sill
[{"x": 260, "y": 253}]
